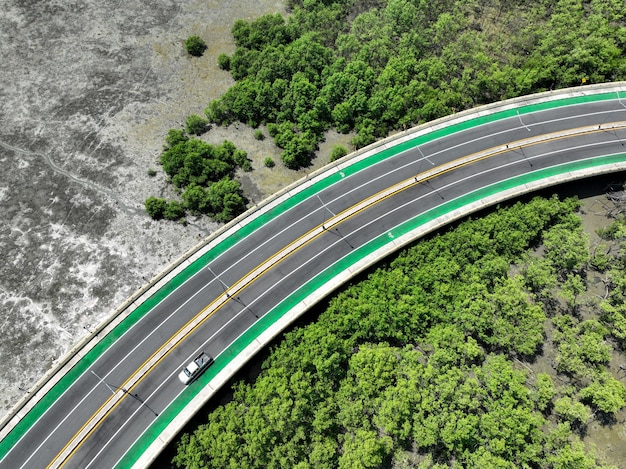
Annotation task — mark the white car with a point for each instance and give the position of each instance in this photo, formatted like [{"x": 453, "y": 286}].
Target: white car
[{"x": 195, "y": 368}]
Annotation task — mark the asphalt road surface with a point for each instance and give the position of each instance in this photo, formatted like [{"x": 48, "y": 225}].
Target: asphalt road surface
[{"x": 321, "y": 237}]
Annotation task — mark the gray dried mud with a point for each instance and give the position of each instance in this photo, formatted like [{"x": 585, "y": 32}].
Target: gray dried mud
[{"x": 89, "y": 89}]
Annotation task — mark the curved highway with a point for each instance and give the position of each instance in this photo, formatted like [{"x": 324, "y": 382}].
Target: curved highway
[{"x": 133, "y": 383}]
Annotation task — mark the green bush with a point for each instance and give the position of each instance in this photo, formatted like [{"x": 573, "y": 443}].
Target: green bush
[
  {"x": 175, "y": 136},
  {"x": 196, "y": 162},
  {"x": 298, "y": 152},
  {"x": 600, "y": 259},
  {"x": 258, "y": 134},
  {"x": 223, "y": 62},
  {"x": 605, "y": 393},
  {"x": 225, "y": 199},
  {"x": 196, "y": 200},
  {"x": 269, "y": 162},
  {"x": 202, "y": 174},
  {"x": 195, "y": 46},
  {"x": 572, "y": 411},
  {"x": 581, "y": 348},
  {"x": 545, "y": 391},
  {"x": 616, "y": 230},
  {"x": 155, "y": 207},
  {"x": 337, "y": 152},
  {"x": 196, "y": 125},
  {"x": 174, "y": 210}
]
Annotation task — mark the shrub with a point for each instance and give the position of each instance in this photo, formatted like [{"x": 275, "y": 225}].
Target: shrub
[
  {"x": 258, "y": 134},
  {"x": 273, "y": 129},
  {"x": 223, "y": 62},
  {"x": 298, "y": 152},
  {"x": 155, "y": 207},
  {"x": 337, "y": 152},
  {"x": 615, "y": 230},
  {"x": 605, "y": 393},
  {"x": 196, "y": 199},
  {"x": 269, "y": 162},
  {"x": 195, "y": 46},
  {"x": 174, "y": 210},
  {"x": 151, "y": 172},
  {"x": 175, "y": 136},
  {"x": 572, "y": 411},
  {"x": 600, "y": 259},
  {"x": 225, "y": 199},
  {"x": 196, "y": 125},
  {"x": 545, "y": 391},
  {"x": 240, "y": 157}
]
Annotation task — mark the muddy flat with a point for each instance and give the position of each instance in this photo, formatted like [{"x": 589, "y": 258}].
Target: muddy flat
[{"x": 89, "y": 89}]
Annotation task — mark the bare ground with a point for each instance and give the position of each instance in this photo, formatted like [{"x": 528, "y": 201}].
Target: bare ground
[{"x": 89, "y": 89}]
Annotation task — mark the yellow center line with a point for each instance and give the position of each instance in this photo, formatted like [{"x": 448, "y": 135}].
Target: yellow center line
[{"x": 136, "y": 377}]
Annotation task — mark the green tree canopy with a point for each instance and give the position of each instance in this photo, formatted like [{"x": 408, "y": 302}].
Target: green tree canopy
[{"x": 381, "y": 66}]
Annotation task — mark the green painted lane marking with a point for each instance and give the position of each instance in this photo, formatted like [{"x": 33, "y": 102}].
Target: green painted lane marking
[
  {"x": 275, "y": 314},
  {"x": 90, "y": 357}
]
